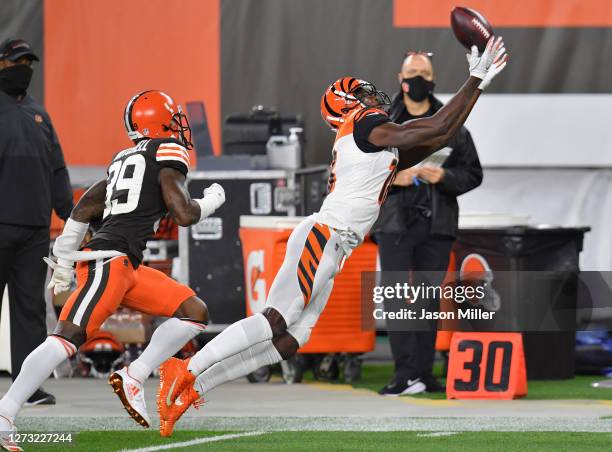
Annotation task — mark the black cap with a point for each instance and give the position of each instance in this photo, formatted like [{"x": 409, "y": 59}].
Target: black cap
[{"x": 13, "y": 49}]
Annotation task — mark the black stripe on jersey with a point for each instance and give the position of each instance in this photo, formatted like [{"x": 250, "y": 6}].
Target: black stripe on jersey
[
  {"x": 96, "y": 298},
  {"x": 365, "y": 121},
  {"x": 311, "y": 251},
  {"x": 320, "y": 238},
  {"x": 305, "y": 275},
  {"x": 90, "y": 277}
]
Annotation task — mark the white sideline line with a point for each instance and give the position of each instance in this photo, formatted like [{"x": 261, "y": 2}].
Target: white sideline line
[
  {"x": 435, "y": 434},
  {"x": 194, "y": 442}
]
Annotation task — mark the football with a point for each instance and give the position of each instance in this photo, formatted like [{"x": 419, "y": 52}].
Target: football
[{"x": 471, "y": 28}]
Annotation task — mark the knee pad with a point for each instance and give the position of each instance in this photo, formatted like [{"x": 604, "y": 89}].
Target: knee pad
[{"x": 300, "y": 334}]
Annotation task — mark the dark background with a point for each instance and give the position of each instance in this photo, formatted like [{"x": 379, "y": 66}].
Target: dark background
[
  {"x": 24, "y": 19},
  {"x": 284, "y": 53}
]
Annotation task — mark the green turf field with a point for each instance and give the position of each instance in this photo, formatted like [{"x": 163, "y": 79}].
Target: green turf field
[
  {"x": 374, "y": 377},
  {"x": 349, "y": 441}
]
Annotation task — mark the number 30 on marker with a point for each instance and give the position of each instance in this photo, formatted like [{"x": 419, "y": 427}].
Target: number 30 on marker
[{"x": 486, "y": 366}]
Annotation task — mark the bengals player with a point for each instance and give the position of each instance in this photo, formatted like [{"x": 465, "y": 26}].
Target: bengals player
[
  {"x": 144, "y": 182},
  {"x": 367, "y": 151}
]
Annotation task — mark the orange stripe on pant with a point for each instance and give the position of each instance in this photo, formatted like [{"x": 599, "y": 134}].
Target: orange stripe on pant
[{"x": 309, "y": 259}]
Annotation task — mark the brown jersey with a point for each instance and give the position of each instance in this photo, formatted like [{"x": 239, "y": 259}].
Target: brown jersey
[{"x": 134, "y": 204}]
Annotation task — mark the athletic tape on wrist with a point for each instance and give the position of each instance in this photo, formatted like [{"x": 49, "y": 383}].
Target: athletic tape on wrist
[
  {"x": 207, "y": 206},
  {"x": 71, "y": 238}
]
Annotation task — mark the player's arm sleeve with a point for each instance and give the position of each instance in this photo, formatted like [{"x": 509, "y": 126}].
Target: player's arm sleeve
[
  {"x": 61, "y": 188},
  {"x": 364, "y": 125},
  {"x": 173, "y": 155}
]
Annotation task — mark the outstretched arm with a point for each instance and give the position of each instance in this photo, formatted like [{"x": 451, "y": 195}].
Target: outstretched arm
[
  {"x": 184, "y": 210},
  {"x": 421, "y": 137}
]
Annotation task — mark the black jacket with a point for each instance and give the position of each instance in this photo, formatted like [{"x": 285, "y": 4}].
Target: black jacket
[
  {"x": 462, "y": 173},
  {"x": 33, "y": 175}
]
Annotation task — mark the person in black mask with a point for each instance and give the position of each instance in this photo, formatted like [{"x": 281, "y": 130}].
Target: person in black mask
[
  {"x": 418, "y": 222},
  {"x": 33, "y": 181}
]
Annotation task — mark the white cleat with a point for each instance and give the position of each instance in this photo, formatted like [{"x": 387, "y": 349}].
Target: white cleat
[
  {"x": 131, "y": 393},
  {"x": 7, "y": 430}
]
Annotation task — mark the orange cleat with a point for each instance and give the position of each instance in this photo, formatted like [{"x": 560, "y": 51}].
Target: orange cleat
[
  {"x": 174, "y": 378},
  {"x": 182, "y": 403}
]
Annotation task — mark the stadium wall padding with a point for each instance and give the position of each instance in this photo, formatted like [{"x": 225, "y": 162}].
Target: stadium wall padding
[
  {"x": 288, "y": 51},
  {"x": 102, "y": 52},
  {"x": 24, "y": 19},
  {"x": 282, "y": 53}
]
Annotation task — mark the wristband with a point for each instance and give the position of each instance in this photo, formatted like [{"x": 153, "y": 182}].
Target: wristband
[{"x": 207, "y": 206}]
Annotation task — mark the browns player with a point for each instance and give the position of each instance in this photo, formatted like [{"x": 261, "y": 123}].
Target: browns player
[
  {"x": 144, "y": 182},
  {"x": 365, "y": 155}
]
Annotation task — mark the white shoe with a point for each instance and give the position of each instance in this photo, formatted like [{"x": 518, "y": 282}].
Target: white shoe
[
  {"x": 399, "y": 388},
  {"x": 131, "y": 393},
  {"x": 7, "y": 429},
  {"x": 415, "y": 386}
]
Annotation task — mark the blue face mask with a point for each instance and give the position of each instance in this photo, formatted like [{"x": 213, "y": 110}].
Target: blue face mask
[{"x": 15, "y": 80}]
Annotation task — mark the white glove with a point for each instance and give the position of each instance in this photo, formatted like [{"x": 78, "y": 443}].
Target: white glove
[
  {"x": 349, "y": 240},
  {"x": 62, "y": 275},
  {"x": 492, "y": 61},
  {"x": 214, "y": 197}
]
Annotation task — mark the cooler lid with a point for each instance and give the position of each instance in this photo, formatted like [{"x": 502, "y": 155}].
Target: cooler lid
[
  {"x": 494, "y": 223},
  {"x": 237, "y": 174},
  {"x": 473, "y": 220},
  {"x": 269, "y": 222}
]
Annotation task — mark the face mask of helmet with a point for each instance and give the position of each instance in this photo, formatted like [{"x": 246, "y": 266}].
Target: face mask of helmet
[
  {"x": 100, "y": 363},
  {"x": 368, "y": 95},
  {"x": 419, "y": 89},
  {"x": 180, "y": 125},
  {"x": 15, "y": 80}
]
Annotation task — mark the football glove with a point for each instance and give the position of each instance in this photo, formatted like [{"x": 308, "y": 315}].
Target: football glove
[
  {"x": 492, "y": 61},
  {"x": 214, "y": 197},
  {"x": 62, "y": 275}
]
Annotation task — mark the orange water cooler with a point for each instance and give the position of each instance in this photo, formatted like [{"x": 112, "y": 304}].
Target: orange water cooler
[{"x": 338, "y": 334}]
